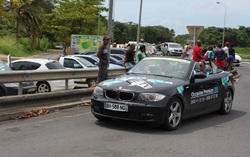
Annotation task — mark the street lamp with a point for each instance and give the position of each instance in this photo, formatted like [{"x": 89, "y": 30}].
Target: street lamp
[{"x": 223, "y": 36}]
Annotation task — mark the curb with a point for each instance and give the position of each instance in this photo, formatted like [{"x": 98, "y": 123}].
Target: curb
[
  {"x": 13, "y": 107},
  {"x": 14, "y": 115}
]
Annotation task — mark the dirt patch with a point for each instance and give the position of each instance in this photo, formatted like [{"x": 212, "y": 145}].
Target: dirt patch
[
  {"x": 46, "y": 55},
  {"x": 5, "y": 57}
]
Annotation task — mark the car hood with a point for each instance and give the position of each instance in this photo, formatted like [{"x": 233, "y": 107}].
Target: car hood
[{"x": 141, "y": 83}]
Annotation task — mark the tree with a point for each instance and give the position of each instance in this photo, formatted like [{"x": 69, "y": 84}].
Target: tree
[
  {"x": 27, "y": 17},
  {"x": 73, "y": 17}
]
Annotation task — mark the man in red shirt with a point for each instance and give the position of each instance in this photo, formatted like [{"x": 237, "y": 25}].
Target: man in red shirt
[{"x": 197, "y": 52}]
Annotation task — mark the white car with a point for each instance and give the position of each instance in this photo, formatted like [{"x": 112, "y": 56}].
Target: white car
[
  {"x": 74, "y": 62},
  {"x": 95, "y": 60},
  {"x": 237, "y": 61},
  {"x": 43, "y": 65},
  {"x": 173, "y": 49},
  {"x": 85, "y": 62}
]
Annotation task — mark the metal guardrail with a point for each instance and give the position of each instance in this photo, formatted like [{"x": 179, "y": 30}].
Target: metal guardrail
[{"x": 65, "y": 74}]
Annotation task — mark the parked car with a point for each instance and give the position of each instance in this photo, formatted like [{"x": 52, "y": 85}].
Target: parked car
[
  {"x": 237, "y": 61},
  {"x": 118, "y": 57},
  {"x": 113, "y": 60},
  {"x": 43, "y": 65},
  {"x": 75, "y": 62},
  {"x": 119, "y": 51},
  {"x": 7, "y": 89},
  {"x": 173, "y": 49},
  {"x": 95, "y": 60},
  {"x": 162, "y": 96},
  {"x": 58, "y": 46}
]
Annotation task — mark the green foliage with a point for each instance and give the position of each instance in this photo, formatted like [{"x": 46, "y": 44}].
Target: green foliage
[
  {"x": 213, "y": 36},
  {"x": 73, "y": 17},
  {"x": 8, "y": 45},
  {"x": 124, "y": 32},
  {"x": 242, "y": 50}
]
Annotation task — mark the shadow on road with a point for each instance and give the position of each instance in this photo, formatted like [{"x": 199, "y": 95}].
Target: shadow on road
[{"x": 187, "y": 126}]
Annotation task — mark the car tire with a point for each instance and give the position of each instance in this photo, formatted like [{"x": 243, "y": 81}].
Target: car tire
[
  {"x": 173, "y": 115},
  {"x": 227, "y": 102},
  {"x": 101, "y": 118},
  {"x": 1, "y": 92},
  {"x": 91, "y": 82},
  {"x": 43, "y": 87}
]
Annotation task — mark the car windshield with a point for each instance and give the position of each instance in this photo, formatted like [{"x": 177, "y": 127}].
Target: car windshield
[
  {"x": 4, "y": 67},
  {"x": 174, "y": 45},
  {"x": 159, "y": 66},
  {"x": 85, "y": 62},
  {"x": 54, "y": 65}
]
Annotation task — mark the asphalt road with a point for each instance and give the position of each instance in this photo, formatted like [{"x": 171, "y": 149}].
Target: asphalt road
[{"x": 75, "y": 132}]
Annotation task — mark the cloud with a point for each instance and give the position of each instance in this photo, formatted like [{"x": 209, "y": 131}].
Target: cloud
[{"x": 180, "y": 13}]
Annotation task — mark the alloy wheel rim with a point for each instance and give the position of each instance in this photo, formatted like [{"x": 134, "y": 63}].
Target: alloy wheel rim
[
  {"x": 228, "y": 101},
  {"x": 175, "y": 114},
  {"x": 43, "y": 88}
]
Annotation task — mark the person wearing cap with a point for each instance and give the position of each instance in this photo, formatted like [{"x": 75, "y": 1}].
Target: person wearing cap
[
  {"x": 197, "y": 52},
  {"x": 102, "y": 54}
]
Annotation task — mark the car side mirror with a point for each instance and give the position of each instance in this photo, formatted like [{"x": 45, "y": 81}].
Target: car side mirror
[{"x": 200, "y": 75}]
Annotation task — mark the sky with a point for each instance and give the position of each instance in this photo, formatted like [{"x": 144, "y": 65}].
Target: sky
[{"x": 178, "y": 14}]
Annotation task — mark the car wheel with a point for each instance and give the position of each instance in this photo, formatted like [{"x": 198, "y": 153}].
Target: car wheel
[
  {"x": 173, "y": 115},
  {"x": 91, "y": 82},
  {"x": 1, "y": 93},
  {"x": 43, "y": 87},
  {"x": 101, "y": 118},
  {"x": 227, "y": 103}
]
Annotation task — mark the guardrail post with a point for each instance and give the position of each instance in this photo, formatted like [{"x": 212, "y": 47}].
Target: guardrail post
[
  {"x": 66, "y": 84},
  {"x": 20, "y": 91}
]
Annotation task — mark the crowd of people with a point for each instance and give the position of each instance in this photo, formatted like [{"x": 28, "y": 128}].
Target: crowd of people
[{"x": 222, "y": 56}]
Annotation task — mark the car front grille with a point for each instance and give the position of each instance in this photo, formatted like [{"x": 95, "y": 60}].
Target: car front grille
[{"x": 119, "y": 95}]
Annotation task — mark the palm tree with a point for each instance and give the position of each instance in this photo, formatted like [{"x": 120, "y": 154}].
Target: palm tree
[{"x": 27, "y": 16}]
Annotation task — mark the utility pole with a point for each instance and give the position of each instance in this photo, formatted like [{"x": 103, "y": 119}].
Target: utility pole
[
  {"x": 109, "y": 31},
  {"x": 139, "y": 27}
]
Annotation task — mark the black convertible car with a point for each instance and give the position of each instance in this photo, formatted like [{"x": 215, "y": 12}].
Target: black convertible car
[{"x": 163, "y": 91}]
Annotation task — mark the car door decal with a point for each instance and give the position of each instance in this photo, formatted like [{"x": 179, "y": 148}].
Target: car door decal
[{"x": 204, "y": 95}]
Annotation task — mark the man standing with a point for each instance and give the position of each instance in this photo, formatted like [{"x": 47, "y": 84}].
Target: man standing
[
  {"x": 129, "y": 58},
  {"x": 197, "y": 52},
  {"x": 226, "y": 49},
  {"x": 220, "y": 57},
  {"x": 102, "y": 54}
]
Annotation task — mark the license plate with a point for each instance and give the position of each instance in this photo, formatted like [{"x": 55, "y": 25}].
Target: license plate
[
  {"x": 116, "y": 107},
  {"x": 31, "y": 90}
]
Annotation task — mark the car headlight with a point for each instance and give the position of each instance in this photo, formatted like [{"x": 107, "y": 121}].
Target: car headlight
[
  {"x": 98, "y": 91},
  {"x": 152, "y": 97}
]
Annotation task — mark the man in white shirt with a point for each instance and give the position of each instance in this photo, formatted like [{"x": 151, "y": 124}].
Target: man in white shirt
[{"x": 226, "y": 49}]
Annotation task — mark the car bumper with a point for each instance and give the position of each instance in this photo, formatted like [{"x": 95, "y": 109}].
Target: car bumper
[
  {"x": 25, "y": 90},
  {"x": 237, "y": 62},
  {"x": 175, "y": 53},
  {"x": 150, "y": 113}
]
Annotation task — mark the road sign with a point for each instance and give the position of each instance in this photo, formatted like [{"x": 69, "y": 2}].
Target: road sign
[{"x": 195, "y": 31}]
